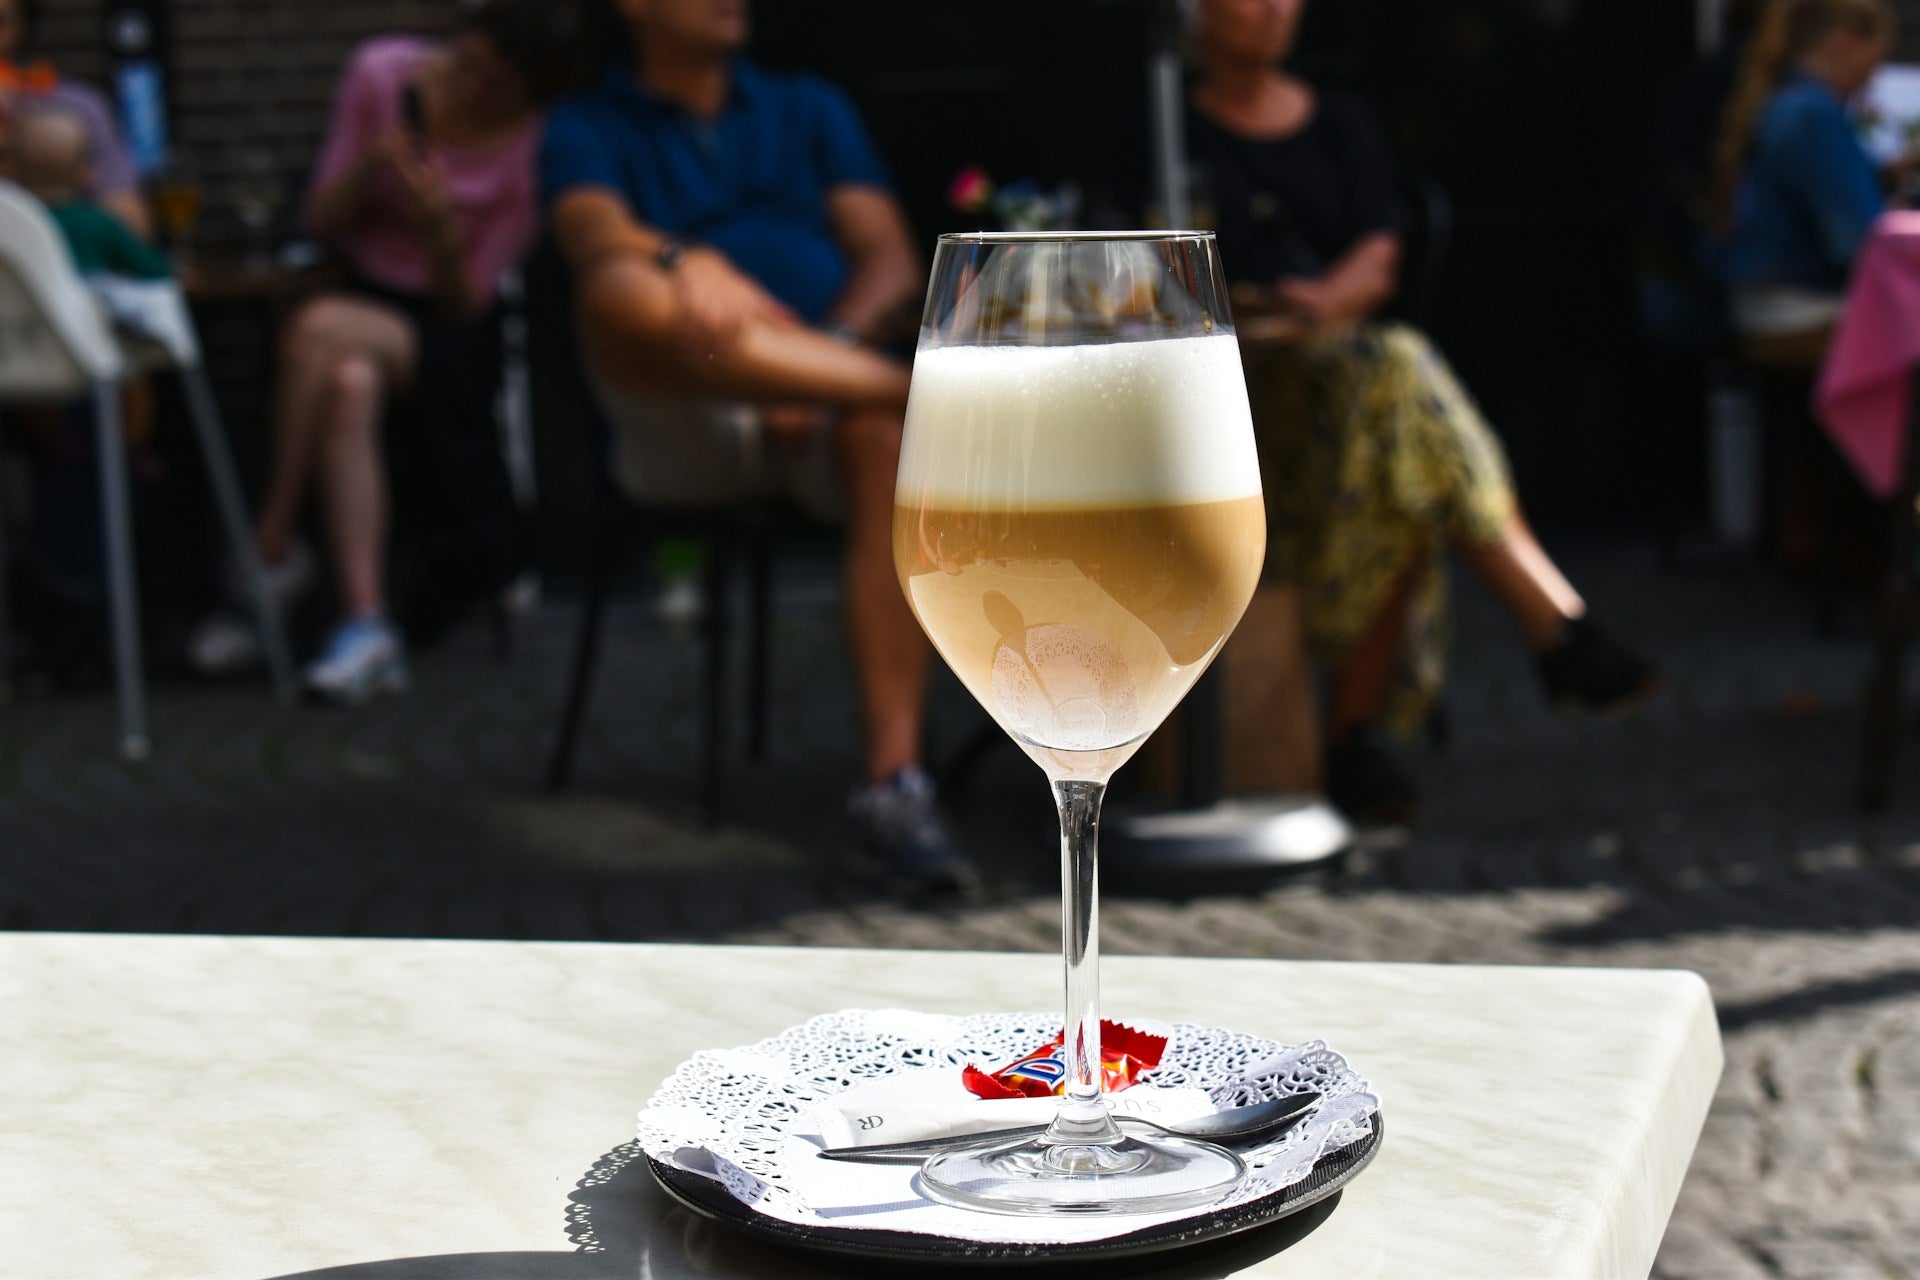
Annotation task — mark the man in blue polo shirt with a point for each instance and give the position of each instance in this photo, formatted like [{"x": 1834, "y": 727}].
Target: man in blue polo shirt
[{"x": 735, "y": 248}]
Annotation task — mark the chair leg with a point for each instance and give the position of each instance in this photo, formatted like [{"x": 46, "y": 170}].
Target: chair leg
[
  {"x": 586, "y": 655},
  {"x": 499, "y": 627},
  {"x": 230, "y": 501},
  {"x": 117, "y": 517},
  {"x": 1886, "y": 685},
  {"x": 6, "y": 593},
  {"x": 956, "y": 775},
  {"x": 759, "y": 642},
  {"x": 1203, "y": 734},
  {"x": 1830, "y": 484},
  {"x": 719, "y": 629}
]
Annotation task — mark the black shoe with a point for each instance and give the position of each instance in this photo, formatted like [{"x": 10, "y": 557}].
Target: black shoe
[
  {"x": 900, "y": 824},
  {"x": 1368, "y": 783},
  {"x": 1588, "y": 670}
]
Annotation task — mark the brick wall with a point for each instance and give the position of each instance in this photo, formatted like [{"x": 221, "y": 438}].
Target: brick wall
[
  {"x": 247, "y": 74},
  {"x": 259, "y": 72}
]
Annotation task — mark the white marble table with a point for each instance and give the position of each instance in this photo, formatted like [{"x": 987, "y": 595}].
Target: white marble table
[{"x": 371, "y": 1110}]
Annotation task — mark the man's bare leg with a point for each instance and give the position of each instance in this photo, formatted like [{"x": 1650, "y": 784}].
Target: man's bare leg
[
  {"x": 630, "y": 324},
  {"x": 889, "y": 652}
]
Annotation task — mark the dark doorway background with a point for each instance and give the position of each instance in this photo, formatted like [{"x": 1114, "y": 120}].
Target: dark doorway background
[{"x": 1532, "y": 113}]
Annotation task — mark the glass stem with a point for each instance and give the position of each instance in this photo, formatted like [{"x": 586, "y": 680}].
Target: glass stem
[{"x": 1082, "y": 1120}]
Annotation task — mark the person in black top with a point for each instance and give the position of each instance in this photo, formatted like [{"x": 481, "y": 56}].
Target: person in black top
[
  {"x": 1293, "y": 206},
  {"x": 1374, "y": 459}
]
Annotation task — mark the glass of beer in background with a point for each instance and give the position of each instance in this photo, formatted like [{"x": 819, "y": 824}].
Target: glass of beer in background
[
  {"x": 1078, "y": 525},
  {"x": 176, "y": 198}
]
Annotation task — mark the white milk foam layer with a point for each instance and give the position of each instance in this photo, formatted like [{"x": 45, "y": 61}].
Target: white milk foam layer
[{"x": 1130, "y": 423}]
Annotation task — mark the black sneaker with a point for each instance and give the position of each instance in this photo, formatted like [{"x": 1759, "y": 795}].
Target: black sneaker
[
  {"x": 1369, "y": 783},
  {"x": 1588, "y": 670},
  {"x": 899, "y": 823}
]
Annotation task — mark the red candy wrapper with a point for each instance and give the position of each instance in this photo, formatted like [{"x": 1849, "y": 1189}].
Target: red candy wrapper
[{"x": 1126, "y": 1054}]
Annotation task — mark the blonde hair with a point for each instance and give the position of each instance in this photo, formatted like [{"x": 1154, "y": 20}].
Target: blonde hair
[
  {"x": 1786, "y": 30},
  {"x": 50, "y": 150}
]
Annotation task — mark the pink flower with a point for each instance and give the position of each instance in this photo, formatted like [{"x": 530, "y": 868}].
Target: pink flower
[{"x": 970, "y": 189}]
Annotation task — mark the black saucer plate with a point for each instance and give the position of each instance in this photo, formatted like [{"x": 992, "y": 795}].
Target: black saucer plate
[{"x": 710, "y": 1200}]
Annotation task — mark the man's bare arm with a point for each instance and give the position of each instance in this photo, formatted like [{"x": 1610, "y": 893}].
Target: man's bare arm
[
  {"x": 716, "y": 300},
  {"x": 886, "y": 272},
  {"x": 636, "y": 328},
  {"x": 593, "y": 223}
]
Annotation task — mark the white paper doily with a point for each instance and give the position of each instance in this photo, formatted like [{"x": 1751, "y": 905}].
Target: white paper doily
[{"x": 742, "y": 1116}]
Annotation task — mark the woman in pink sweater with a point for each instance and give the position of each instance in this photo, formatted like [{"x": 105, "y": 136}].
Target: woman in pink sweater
[{"x": 424, "y": 191}]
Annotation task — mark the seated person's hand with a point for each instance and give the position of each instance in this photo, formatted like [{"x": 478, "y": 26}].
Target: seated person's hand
[
  {"x": 387, "y": 150},
  {"x": 1314, "y": 300},
  {"x": 720, "y": 301},
  {"x": 423, "y": 185},
  {"x": 1262, "y": 317}
]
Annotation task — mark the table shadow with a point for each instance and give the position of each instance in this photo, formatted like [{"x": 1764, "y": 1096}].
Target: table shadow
[{"x": 624, "y": 1227}]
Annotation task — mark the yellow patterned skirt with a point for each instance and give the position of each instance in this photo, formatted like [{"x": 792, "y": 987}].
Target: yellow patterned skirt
[{"x": 1374, "y": 459}]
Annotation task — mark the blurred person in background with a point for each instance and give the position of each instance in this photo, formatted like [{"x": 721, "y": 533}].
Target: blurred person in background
[
  {"x": 51, "y": 159},
  {"x": 65, "y": 558},
  {"x": 1795, "y": 190},
  {"x": 1682, "y": 303},
  {"x": 112, "y": 183},
  {"x": 425, "y": 192},
  {"x": 1375, "y": 459},
  {"x": 737, "y": 252}
]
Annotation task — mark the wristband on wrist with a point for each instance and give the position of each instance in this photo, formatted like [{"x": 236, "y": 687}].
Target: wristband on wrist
[
  {"x": 671, "y": 251},
  {"x": 841, "y": 331}
]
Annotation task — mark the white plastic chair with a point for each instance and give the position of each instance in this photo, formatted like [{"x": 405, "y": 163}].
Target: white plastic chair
[{"x": 57, "y": 346}]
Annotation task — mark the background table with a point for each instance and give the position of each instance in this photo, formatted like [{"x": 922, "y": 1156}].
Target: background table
[
  {"x": 1862, "y": 396},
  {"x": 371, "y": 1110}
]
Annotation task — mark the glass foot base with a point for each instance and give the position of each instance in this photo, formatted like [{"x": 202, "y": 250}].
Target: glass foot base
[{"x": 1130, "y": 1176}]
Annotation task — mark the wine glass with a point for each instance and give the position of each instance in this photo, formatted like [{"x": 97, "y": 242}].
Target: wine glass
[{"x": 1078, "y": 526}]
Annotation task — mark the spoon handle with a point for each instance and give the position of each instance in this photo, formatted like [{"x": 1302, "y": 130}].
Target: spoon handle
[
  {"x": 1276, "y": 1118},
  {"x": 890, "y": 1152}
]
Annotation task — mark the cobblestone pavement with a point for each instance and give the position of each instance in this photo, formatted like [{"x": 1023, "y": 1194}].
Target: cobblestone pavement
[{"x": 1714, "y": 832}]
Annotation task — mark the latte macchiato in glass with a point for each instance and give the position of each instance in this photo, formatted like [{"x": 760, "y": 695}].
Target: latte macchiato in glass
[
  {"x": 1078, "y": 526},
  {"x": 1078, "y": 577}
]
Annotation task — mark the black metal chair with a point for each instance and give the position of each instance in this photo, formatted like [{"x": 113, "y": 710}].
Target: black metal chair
[{"x": 735, "y": 538}]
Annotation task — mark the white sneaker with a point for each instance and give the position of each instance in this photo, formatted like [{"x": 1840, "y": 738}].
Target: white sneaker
[
  {"x": 363, "y": 659},
  {"x": 223, "y": 644},
  {"x": 287, "y": 581},
  {"x": 681, "y": 603},
  {"x": 521, "y": 596},
  {"x": 226, "y": 641}
]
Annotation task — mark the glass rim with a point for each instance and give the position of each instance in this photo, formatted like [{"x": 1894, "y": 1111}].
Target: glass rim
[{"x": 1067, "y": 237}]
